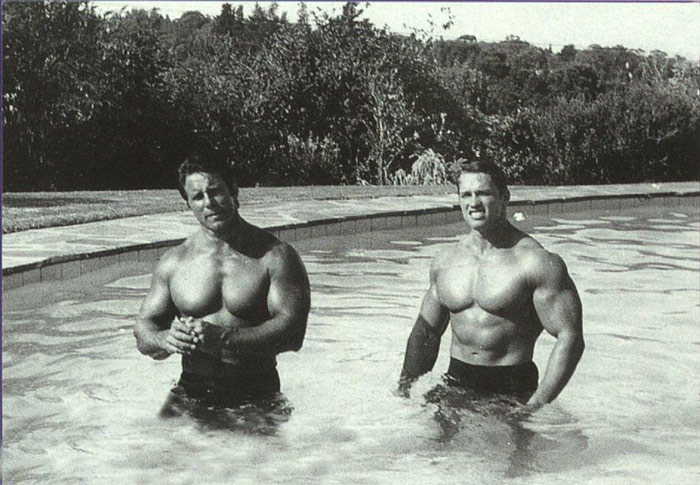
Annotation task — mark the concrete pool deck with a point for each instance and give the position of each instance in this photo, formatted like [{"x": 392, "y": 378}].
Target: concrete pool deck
[{"x": 65, "y": 252}]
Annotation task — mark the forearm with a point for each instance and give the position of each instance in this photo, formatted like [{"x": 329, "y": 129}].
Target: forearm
[
  {"x": 149, "y": 340},
  {"x": 279, "y": 334},
  {"x": 560, "y": 367},
  {"x": 421, "y": 351}
]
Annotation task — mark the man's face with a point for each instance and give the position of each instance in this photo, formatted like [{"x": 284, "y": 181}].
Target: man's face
[
  {"x": 210, "y": 200},
  {"x": 481, "y": 202}
]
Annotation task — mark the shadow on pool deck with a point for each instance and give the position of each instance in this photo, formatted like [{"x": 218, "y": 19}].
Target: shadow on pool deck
[{"x": 58, "y": 253}]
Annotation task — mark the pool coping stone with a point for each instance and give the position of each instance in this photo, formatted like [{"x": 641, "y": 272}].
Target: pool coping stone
[{"x": 52, "y": 253}]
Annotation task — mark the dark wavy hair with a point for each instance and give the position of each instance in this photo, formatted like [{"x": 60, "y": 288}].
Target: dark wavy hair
[
  {"x": 206, "y": 163},
  {"x": 487, "y": 167}
]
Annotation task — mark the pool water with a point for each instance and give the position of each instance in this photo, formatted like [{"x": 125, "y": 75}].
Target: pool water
[{"x": 80, "y": 404}]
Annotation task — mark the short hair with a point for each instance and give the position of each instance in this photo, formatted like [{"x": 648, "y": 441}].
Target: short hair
[
  {"x": 200, "y": 162},
  {"x": 480, "y": 166}
]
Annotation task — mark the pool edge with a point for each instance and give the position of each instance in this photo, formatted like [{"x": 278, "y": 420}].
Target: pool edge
[{"x": 64, "y": 267}]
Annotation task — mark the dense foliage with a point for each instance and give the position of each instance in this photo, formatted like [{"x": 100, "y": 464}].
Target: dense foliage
[{"x": 115, "y": 101}]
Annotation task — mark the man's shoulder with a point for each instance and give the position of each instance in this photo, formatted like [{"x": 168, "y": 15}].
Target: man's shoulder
[
  {"x": 283, "y": 261},
  {"x": 274, "y": 251},
  {"x": 173, "y": 256},
  {"x": 537, "y": 260},
  {"x": 448, "y": 255},
  {"x": 280, "y": 250},
  {"x": 526, "y": 245},
  {"x": 262, "y": 244}
]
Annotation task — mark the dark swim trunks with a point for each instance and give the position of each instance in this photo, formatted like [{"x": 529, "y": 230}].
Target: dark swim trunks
[
  {"x": 518, "y": 381},
  {"x": 218, "y": 384},
  {"x": 196, "y": 393},
  {"x": 230, "y": 390},
  {"x": 246, "y": 402}
]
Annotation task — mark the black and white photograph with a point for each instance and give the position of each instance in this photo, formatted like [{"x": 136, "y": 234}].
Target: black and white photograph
[{"x": 350, "y": 242}]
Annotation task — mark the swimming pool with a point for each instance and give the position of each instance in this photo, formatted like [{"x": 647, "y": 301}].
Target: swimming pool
[{"x": 80, "y": 404}]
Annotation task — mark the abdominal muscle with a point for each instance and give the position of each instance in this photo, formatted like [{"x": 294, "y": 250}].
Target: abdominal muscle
[{"x": 481, "y": 338}]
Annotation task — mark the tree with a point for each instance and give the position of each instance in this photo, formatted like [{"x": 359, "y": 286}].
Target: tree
[
  {"x": 132, "y": 138},
  {"x": 51, "y": 83}
]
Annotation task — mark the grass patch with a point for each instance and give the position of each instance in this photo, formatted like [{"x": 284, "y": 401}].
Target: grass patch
[{"x": 34, "y": 210}]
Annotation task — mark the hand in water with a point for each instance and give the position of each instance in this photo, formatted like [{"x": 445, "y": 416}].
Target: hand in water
[
  {"x": 405, "y": 384},
  {"x": 523, "y": 411}
]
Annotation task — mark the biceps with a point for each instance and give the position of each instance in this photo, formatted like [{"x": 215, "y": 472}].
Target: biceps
[
  {"x": 289, "y": 295},
  {"x": 433, "y": 312},
  {"x": 559, "y": 310},
  {"x": 158, "y": 306}
]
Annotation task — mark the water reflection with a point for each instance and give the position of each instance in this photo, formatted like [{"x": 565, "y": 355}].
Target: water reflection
[
  {"x": 261, "y": 417},
  {"x": 497, "y": 428},
  {"x": 80, "y": 403}
]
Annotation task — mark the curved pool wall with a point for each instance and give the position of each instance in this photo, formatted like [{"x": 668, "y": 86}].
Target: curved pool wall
[{"x": 423, "y": 211}]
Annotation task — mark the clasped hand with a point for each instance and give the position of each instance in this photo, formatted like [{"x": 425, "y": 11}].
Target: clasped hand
[{"x": 187, "y": 334}]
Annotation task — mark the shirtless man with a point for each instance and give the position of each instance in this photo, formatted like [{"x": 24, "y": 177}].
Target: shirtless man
[
  {"x": 499, "y": 288},
  {"x": 228, "y": 299}
]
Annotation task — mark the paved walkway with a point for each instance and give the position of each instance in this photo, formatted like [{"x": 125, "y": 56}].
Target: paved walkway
[{"x": 23, "y": 251}]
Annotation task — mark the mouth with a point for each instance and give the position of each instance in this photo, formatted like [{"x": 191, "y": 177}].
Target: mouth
[{"x": 477, "y": 214}]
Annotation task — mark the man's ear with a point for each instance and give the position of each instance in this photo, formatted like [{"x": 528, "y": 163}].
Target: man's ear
[
  {"x": 506, "y": 195},
  {"x": 234, "y": 194}
]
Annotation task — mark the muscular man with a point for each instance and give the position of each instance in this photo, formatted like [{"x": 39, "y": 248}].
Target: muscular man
[
  {"x": 228, "y": 299},
  {"x": 499, "y": 288}
]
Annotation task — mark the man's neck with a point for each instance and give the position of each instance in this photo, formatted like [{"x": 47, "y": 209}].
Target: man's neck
[
  {"x": 230, "y": 234},
  {"x": 496, "y": 236}
]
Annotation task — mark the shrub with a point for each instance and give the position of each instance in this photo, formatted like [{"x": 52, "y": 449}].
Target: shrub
[
  {"x": 429, "y": 168},
  {"x": 312, "y": 161}
]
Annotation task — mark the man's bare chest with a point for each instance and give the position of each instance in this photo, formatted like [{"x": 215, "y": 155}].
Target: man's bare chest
[
  {"x": 495, "y": 284},
  {"x": 205, "y": 285}
]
